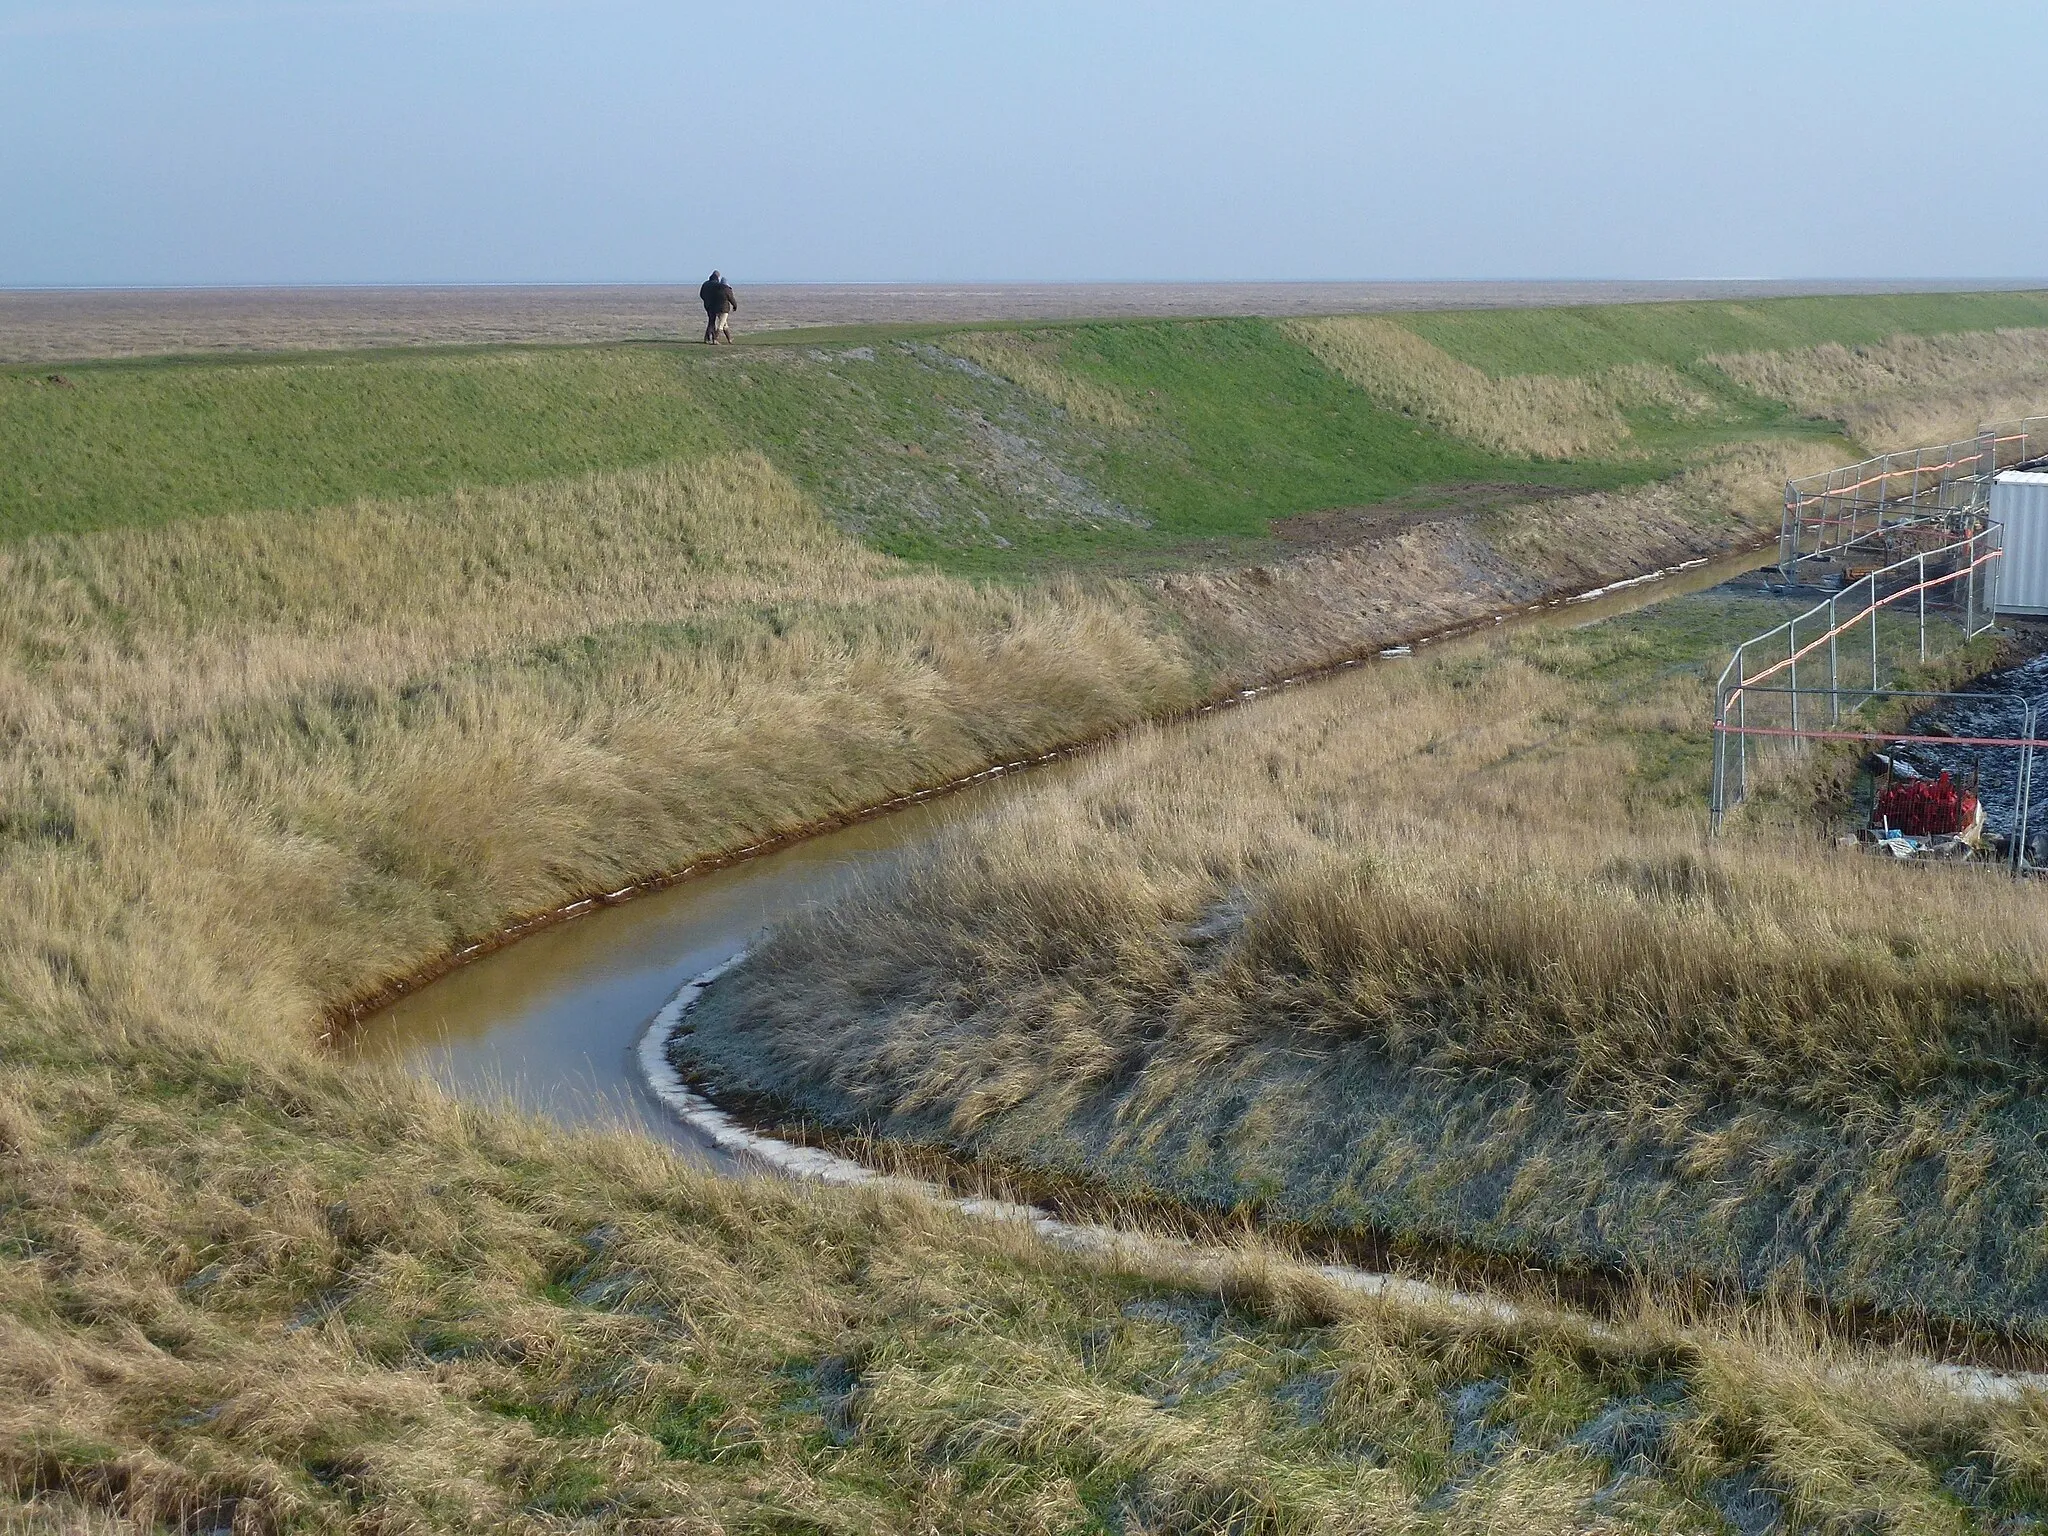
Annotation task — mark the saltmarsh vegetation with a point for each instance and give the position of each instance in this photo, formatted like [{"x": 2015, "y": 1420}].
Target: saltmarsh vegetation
[
  {"x": 1438, "y": 953},
  {"x": 313, "y": 670},
  {"x": 258, "y": 763}
]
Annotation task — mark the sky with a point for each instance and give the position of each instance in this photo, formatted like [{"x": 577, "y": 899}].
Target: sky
[{"x": 391, "y": 141}]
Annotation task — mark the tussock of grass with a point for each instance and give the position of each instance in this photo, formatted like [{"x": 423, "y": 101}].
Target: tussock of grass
[
  {"x": 1439, "y": 952},
  {"x": 1906, "y": 391}
]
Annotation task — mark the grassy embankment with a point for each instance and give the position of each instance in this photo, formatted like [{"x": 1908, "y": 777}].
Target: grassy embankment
[
  {"x": 1437, "y": 953},
  {"x": 269, "y": 744},
  {"x": 1160, "y": 434}
]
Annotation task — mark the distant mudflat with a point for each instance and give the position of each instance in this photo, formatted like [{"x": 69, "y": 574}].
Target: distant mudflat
[{"x": 46, "y": 325}]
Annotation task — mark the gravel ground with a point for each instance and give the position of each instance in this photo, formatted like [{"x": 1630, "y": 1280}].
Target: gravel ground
[{"x": 48, "y": 325}]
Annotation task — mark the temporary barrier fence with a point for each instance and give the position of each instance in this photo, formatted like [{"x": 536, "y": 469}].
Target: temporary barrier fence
[
  {"x": 1947, "y": 484},
  {"x": 2027, "y": 850},
  {"x": 1906, "y": 613}
]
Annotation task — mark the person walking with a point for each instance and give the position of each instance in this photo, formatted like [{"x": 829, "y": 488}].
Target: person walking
[{"x": 719, "y": 303}]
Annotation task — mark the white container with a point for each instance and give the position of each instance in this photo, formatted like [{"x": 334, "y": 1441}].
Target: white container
[{"x": 2019, "y": 504}]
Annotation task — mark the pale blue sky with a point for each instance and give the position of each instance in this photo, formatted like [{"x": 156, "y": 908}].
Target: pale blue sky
[{"x": 386, "y": 141}]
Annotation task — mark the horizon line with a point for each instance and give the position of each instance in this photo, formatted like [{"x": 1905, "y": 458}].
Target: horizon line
[{"x": 400, "y": 285}]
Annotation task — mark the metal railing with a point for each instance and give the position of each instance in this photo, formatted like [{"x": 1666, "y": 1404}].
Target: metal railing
[
  {"x": 1934, "y": 599},
  {"x": 1862, "y": 502}
]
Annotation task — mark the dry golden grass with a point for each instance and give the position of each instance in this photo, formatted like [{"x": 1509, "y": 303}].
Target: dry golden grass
[
  {"x": 330, "y": 1304},
  {"x": 1539, "y": 416},
  {"x": 1391, "y": 884},
  {"x": 1910, "y": 390},
  {"x": 1733, "y": 491},
  {"x": 1441, "y": 948},
  {"x": 258, "y": 764},
  {"x": 309, "y": 752},
  {"x": 1033, "y": 363},
  {"x": 61, "y": 1516},
  {"x": 254, "y": 765}
]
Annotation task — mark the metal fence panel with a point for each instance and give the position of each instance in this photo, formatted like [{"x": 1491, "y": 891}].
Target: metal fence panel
[
  {"x": 1843, "y": 507},
  {"x": 1849, "y": 647}
]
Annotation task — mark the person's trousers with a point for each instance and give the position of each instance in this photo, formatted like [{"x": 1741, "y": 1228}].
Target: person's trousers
[{"x": 718, "y": 327}]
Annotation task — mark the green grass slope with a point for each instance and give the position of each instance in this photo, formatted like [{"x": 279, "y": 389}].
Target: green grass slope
[
  {"x": 153, "y": 442},
  {"x": 1585, "y": 339},
  {"x": 1232, "y": 425},
  {"x": 921, "y": 452},
  {"x": 1225, "y": 425}
]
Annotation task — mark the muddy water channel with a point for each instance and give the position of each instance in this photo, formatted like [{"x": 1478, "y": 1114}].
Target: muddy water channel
[{"x": 551, "y": 1023}]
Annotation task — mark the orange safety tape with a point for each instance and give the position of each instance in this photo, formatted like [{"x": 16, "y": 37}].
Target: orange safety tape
[{"x": 1922, "y": 586}]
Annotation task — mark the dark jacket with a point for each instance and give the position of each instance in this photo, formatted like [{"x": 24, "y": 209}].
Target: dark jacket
[{"x": 718, "y": 297}]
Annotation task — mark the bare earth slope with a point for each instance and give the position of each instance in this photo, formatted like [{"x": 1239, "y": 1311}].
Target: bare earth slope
[{"x": 47, "y": 325}]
